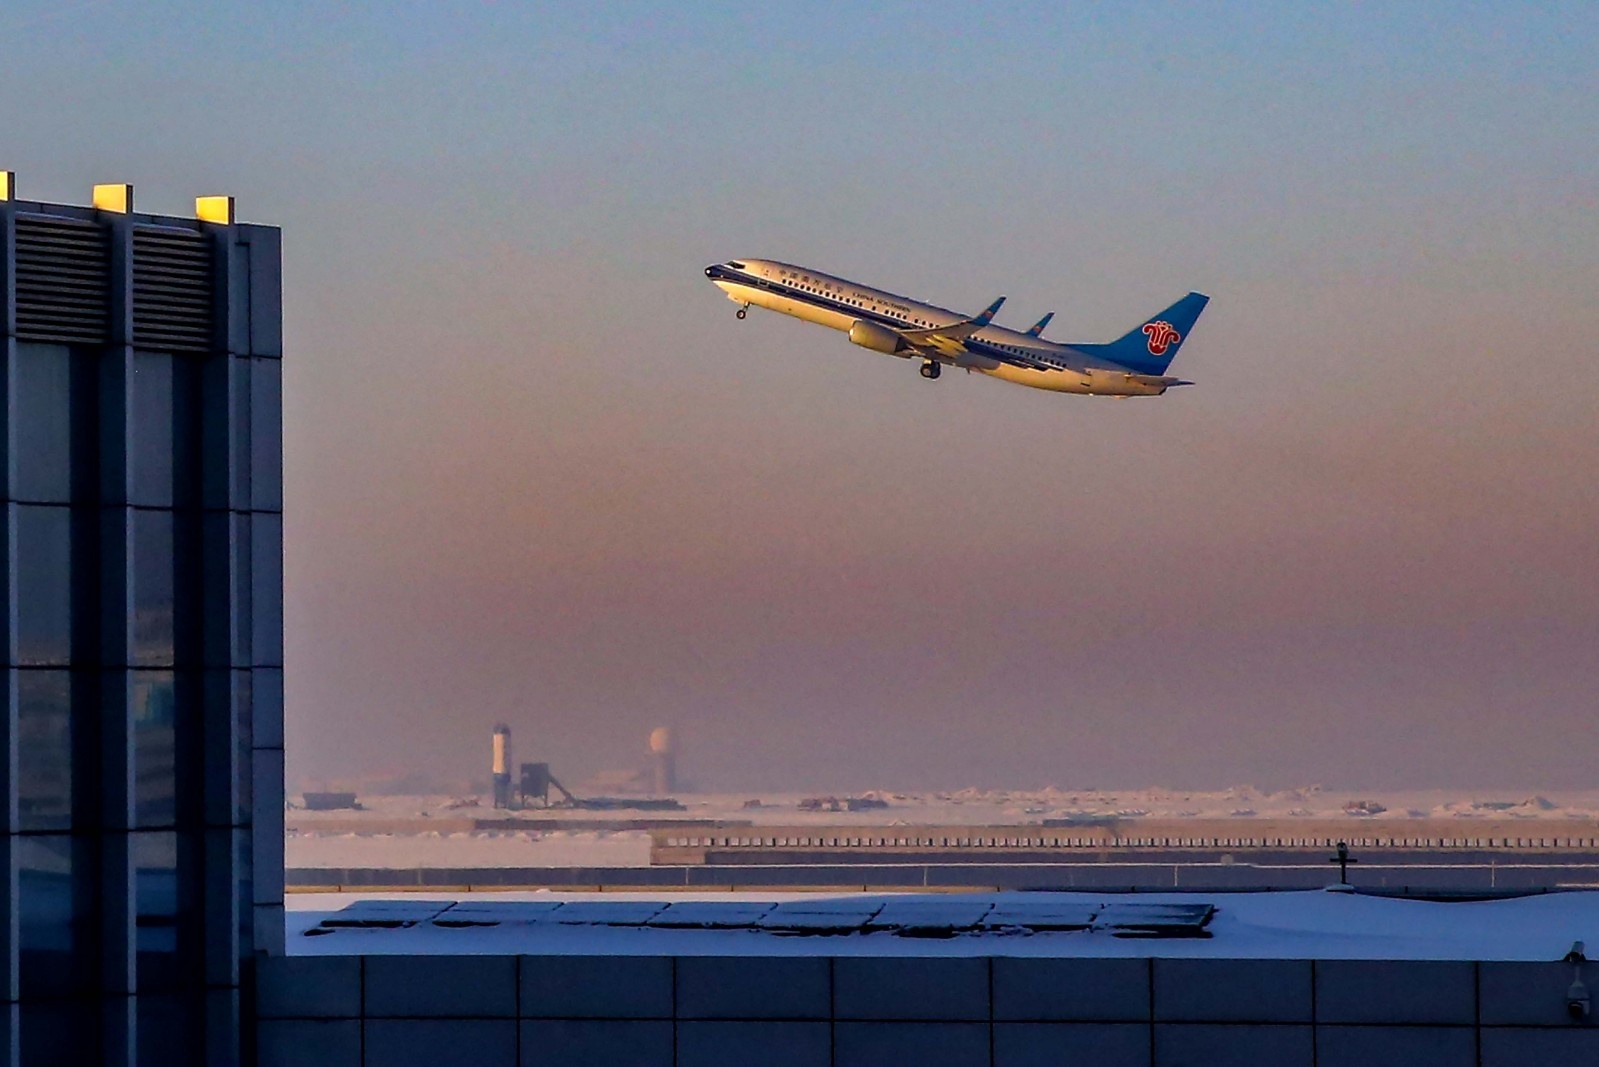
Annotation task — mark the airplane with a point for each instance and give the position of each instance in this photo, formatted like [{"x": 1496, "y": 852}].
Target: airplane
[{"x": 1133, "y": 365}]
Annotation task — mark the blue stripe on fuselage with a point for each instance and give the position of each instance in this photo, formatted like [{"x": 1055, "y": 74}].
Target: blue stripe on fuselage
[
  {"x": 794, "y": 292},
  {"x": 976, "y": 345}
]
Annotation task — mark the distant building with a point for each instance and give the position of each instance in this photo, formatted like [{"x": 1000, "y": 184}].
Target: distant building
[
  {"x": 500, "y": 765},
  {"x": 663, "y": 761},
  {"x": 144, "y": 627}
]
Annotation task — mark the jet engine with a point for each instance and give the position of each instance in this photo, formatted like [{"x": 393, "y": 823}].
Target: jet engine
[{"x": 877, "y": 338}]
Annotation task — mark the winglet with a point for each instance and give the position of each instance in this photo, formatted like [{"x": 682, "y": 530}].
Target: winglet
[
  {"x": 1038, "y": 327},
  {"x": 988, "y": 314}
]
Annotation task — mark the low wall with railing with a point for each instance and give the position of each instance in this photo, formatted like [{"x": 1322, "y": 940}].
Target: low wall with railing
[{"x": 683, "y": 846}]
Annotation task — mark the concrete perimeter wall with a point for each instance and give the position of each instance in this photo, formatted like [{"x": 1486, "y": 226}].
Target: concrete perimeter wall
[{"x": 821, "y": 1011}]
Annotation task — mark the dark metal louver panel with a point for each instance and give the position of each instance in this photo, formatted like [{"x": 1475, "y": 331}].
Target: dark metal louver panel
[
  {"x": 171, "y": 290},
  {"x": 63, "y": 286}
]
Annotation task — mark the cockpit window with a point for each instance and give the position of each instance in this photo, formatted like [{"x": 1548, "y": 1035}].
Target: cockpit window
[{"x": 735, "y": 264}]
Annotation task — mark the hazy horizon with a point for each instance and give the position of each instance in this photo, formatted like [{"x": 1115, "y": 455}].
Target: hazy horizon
[{"x": 537, "y": 473}]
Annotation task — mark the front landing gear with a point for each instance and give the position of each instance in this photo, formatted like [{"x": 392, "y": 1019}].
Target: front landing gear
[
  {"x": 932, "y": 369},
  {"x": 741, "y": 312}
]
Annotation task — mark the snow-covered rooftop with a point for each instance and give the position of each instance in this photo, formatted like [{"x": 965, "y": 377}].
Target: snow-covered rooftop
[{"x": 1319, "y": 924}]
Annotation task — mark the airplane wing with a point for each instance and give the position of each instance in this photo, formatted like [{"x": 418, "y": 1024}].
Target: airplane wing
[
  {"x": 1028, "y": 362},
  {"x": 947, "y": 341},
  {"x": 1037, "y": 329},
  {"x": 958, "y": 331}
]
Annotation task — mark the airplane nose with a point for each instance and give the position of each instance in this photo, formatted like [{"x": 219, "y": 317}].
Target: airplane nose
[{"x": 708, "y": 271}]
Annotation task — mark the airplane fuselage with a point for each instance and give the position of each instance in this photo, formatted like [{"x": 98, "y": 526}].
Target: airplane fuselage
[{"x": 874, "y": 318}]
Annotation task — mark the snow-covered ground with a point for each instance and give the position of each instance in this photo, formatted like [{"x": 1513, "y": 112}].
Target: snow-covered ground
[
  {"x": 630, "y": 848},
  {"x": 974, "y": 807},
  {"x": 405, "y": 832}
]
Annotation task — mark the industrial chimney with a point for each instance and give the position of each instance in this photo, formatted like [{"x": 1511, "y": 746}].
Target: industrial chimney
[
  {"x": 502, "y": 765},
  {"x": 663, "y": 760}
]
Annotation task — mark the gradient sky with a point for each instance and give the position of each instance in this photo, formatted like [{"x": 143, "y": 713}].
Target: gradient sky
[{"x": 537, "y": 472}]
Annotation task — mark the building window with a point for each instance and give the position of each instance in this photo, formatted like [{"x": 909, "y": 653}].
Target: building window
[
  {"x": 151, "y": 435},
  {"x": 44, "y": 585},
  {"x": 266, "y": 604},
  {"x": 266, "y": 434},
  {"x": 152, "y": 589},
  {"x": 160, "y": 928},
  {"x": 44, "y": 749},
  {"x": 245, "y": 685},
  {"x": 42, "y": 425},
  {"x": 56, "y": 896},
  {"x": 153, "y": 707}
]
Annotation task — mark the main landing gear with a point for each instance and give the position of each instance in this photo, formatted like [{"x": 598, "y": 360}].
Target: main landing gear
[
  {"x": 932, "y": 369},
  {"x": 741, "y": 312}
]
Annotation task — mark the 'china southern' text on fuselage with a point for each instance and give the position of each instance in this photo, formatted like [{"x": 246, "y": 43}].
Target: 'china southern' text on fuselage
[{"x": 1133, "y": 365}]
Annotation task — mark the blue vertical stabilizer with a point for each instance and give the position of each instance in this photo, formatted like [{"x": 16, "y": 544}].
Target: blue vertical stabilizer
[{"x": 1150, "y": 348}]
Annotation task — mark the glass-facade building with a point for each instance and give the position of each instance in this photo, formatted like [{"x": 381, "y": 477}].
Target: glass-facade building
[{"x": 143, "y": 630}]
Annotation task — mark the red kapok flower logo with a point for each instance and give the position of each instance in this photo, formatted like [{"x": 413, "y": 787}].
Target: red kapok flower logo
[{"x": 1161, "y": 337}]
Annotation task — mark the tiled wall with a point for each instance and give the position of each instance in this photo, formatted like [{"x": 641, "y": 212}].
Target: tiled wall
[{"x": 576, "y": 1011}]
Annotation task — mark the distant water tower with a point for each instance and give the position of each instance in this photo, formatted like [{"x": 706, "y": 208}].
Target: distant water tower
[
  {"x": 663, "y": 760},
  {"x": 501, "y": 767}
]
